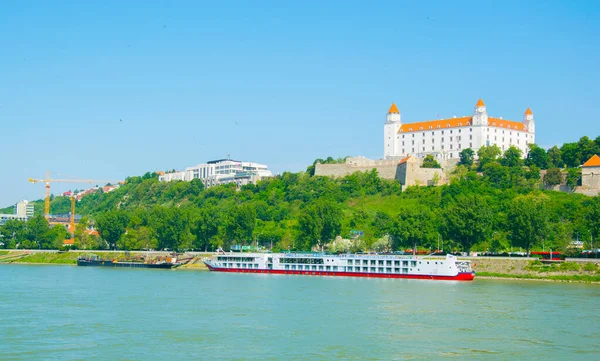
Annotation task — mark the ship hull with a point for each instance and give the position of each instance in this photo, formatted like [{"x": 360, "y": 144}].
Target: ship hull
[
  {"x": 105, "y": 263},
  {"x": 463, "y": 276}
]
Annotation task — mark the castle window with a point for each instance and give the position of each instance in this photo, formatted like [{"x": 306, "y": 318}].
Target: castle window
[
  {"x": 432, "y": 148},
  {"x": 413, "y": 142},
  {"x": 450, "y": 146},
  {"x": 402, "y": 142},
  {"x": 438, "y": 127},
  {"x": 468, "y": 123},
  {"x": 423, "y": 148},
  {"x": 423, "y": 141},
  {"x": 410, "y": 130},
  {"x": 413, "y": 150},
  {"x": 420, "y": 128},
  {"x": 460, "y": 130},
  {"x": 450, "y": 131},
  {"x": 432, "y": 134},
  {"x": 402, "y": 150},
  {"x": 447, "y": 125},
  {"x": 413, "y": 135},
  {"x": 450, "y": 138},
  {"x": 442, "y": 146},
  {"x": 470, "y": 129},
  {"x": 430, "y": 127},
  {"x": 442, "y": 132},
  {"x": 423, "y": 133},
  {"x": 460, "y": 125},
  {"x": 470, "y": 145},
  {"x": 471, "y": 136}
]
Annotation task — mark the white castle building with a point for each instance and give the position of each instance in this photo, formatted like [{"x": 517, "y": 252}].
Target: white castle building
[
  {"x": 221, "y": 171},
  {"x": 445, "y": 138}
]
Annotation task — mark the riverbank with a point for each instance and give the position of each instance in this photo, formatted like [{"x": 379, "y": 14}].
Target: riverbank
[
  {"x": 485, "y": 267},
  {"x": 532, "y": 269},
  {"x": 193, "y": 261}
]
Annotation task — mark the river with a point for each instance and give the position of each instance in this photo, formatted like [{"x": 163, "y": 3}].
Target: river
[{"x": 71, "y": 313}]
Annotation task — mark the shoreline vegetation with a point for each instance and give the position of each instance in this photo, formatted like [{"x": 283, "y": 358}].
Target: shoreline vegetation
[{"x": 485, "y": 268}]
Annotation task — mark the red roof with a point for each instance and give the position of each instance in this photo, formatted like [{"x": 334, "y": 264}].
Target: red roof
[
  {"x": 393, "y": 109},
  {"x": 480, "y": 103},
  {"x": 592, "y": 162}
]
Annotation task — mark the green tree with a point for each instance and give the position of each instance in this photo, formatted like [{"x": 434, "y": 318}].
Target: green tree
[
  {"x": 553, "y": 177},
  {"x": 571, "y": 154},
  {"x": 413, "y": 225},
  {"x": 319, "y": 223},
  {"x": 171, "y": 227},
  {"x": 487, "y": 154},
  {"x": 112, "y": 225},
  {"x": 430, "y": 162},
  {"x": 527, "y": 220},
  {"x": 468, "y": 221},
  {"x": 555, "y": 158},
  {"x": 37, "y": 231},
  {"x": 537, "y": 156},
  {"x": 512, "y": 157},
  {"x": 467, "y": 157},
  {"x": 240, "y": 223},
  {"x": 206, "y": 227},
  {"x": 573, "y": 177}
]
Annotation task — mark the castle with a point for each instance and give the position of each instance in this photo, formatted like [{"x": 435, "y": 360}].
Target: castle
[{"x": 446, "y": 138}]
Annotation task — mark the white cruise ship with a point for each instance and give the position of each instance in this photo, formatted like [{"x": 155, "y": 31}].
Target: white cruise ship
[{"x": 350, "y": 265}]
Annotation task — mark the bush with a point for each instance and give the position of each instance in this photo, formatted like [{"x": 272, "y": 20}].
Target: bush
[
  {"x": 570, "y": 266},
  {"x": 590, "y": 267}
]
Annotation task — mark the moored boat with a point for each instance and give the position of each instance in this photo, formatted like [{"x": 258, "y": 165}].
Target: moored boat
[
  {"x": 350, "y": 265},
  {"x": 95, "y": 261}
]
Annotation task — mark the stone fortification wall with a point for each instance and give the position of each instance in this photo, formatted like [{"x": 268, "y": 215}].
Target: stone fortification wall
[
  {"x": 410, "y": 173},
  {"x": 385, "y": 168}
]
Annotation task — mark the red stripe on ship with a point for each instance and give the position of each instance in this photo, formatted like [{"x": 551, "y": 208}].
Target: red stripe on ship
[{"x": 467, "y": 276}]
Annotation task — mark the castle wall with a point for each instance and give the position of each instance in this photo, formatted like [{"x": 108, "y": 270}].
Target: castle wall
[{"x": 590, "y": 178}]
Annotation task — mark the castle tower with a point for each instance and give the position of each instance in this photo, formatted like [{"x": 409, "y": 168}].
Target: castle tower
[
  {"x": 480, "y": 116},
  {"x": 528, "y": 121},
  {"x": 390, "y": 130}
]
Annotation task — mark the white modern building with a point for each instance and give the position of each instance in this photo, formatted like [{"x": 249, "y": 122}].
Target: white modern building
[
  {"x": 221, "y": 171},
  {"x": 24, "y": 208},
  {"x": 445, "y": 138},
  {"x": 23, "y": 211}
]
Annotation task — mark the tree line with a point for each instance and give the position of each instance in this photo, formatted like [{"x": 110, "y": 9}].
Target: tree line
[{"x": 493, "y": 203}]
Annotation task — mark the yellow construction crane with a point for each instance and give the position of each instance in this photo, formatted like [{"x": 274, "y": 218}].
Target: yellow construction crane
[{"x": 48, "y": 180}]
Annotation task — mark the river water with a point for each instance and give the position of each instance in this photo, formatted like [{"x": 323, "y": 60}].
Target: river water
[{"x": 71, "y": 313}]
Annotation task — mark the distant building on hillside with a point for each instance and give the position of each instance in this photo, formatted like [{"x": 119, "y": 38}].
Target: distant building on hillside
[
  {"x": 445, "y": 138},
  {"x": 24, "y": 208},
  {"x": 221, "y": 171},
  {"x": 23, "y": 211}
]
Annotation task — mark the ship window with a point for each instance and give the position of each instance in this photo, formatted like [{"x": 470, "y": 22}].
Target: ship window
[
  {"x": 350, "y": 261},
  {"x": 365, "y": 269},
  {"x": 372, "y": 262},
  {"x": 388, "y": 263},
  {"x": 380, "y": 269},
  {"x": 405, "y": 263},
  {"x": 396, "y": 263},
  {"x": 396, "y": 270},
  {"x": 388, "y": 270},
  {"x": 328, "y": 268},
  {"x": 314, "y": 268},
  {"x": 335, "y": 268},
  {"x": 373, "y": 269},
  {"x": 320, "y": 268},
  {"x": 405, "y": 270},
  {"x": 380, "y": 262},
  {"x": 287, "y": 266},
  {"x": 365, "y": 262}
]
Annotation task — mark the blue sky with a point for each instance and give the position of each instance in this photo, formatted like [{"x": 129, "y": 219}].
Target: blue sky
[{"x": 110, "y": 89}]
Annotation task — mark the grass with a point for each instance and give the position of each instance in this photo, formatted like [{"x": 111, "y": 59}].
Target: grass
[
  {"x": 52, "y": 258},
  {"x": 562, "y": 278},
  {"x": 3, "y": 253}
]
